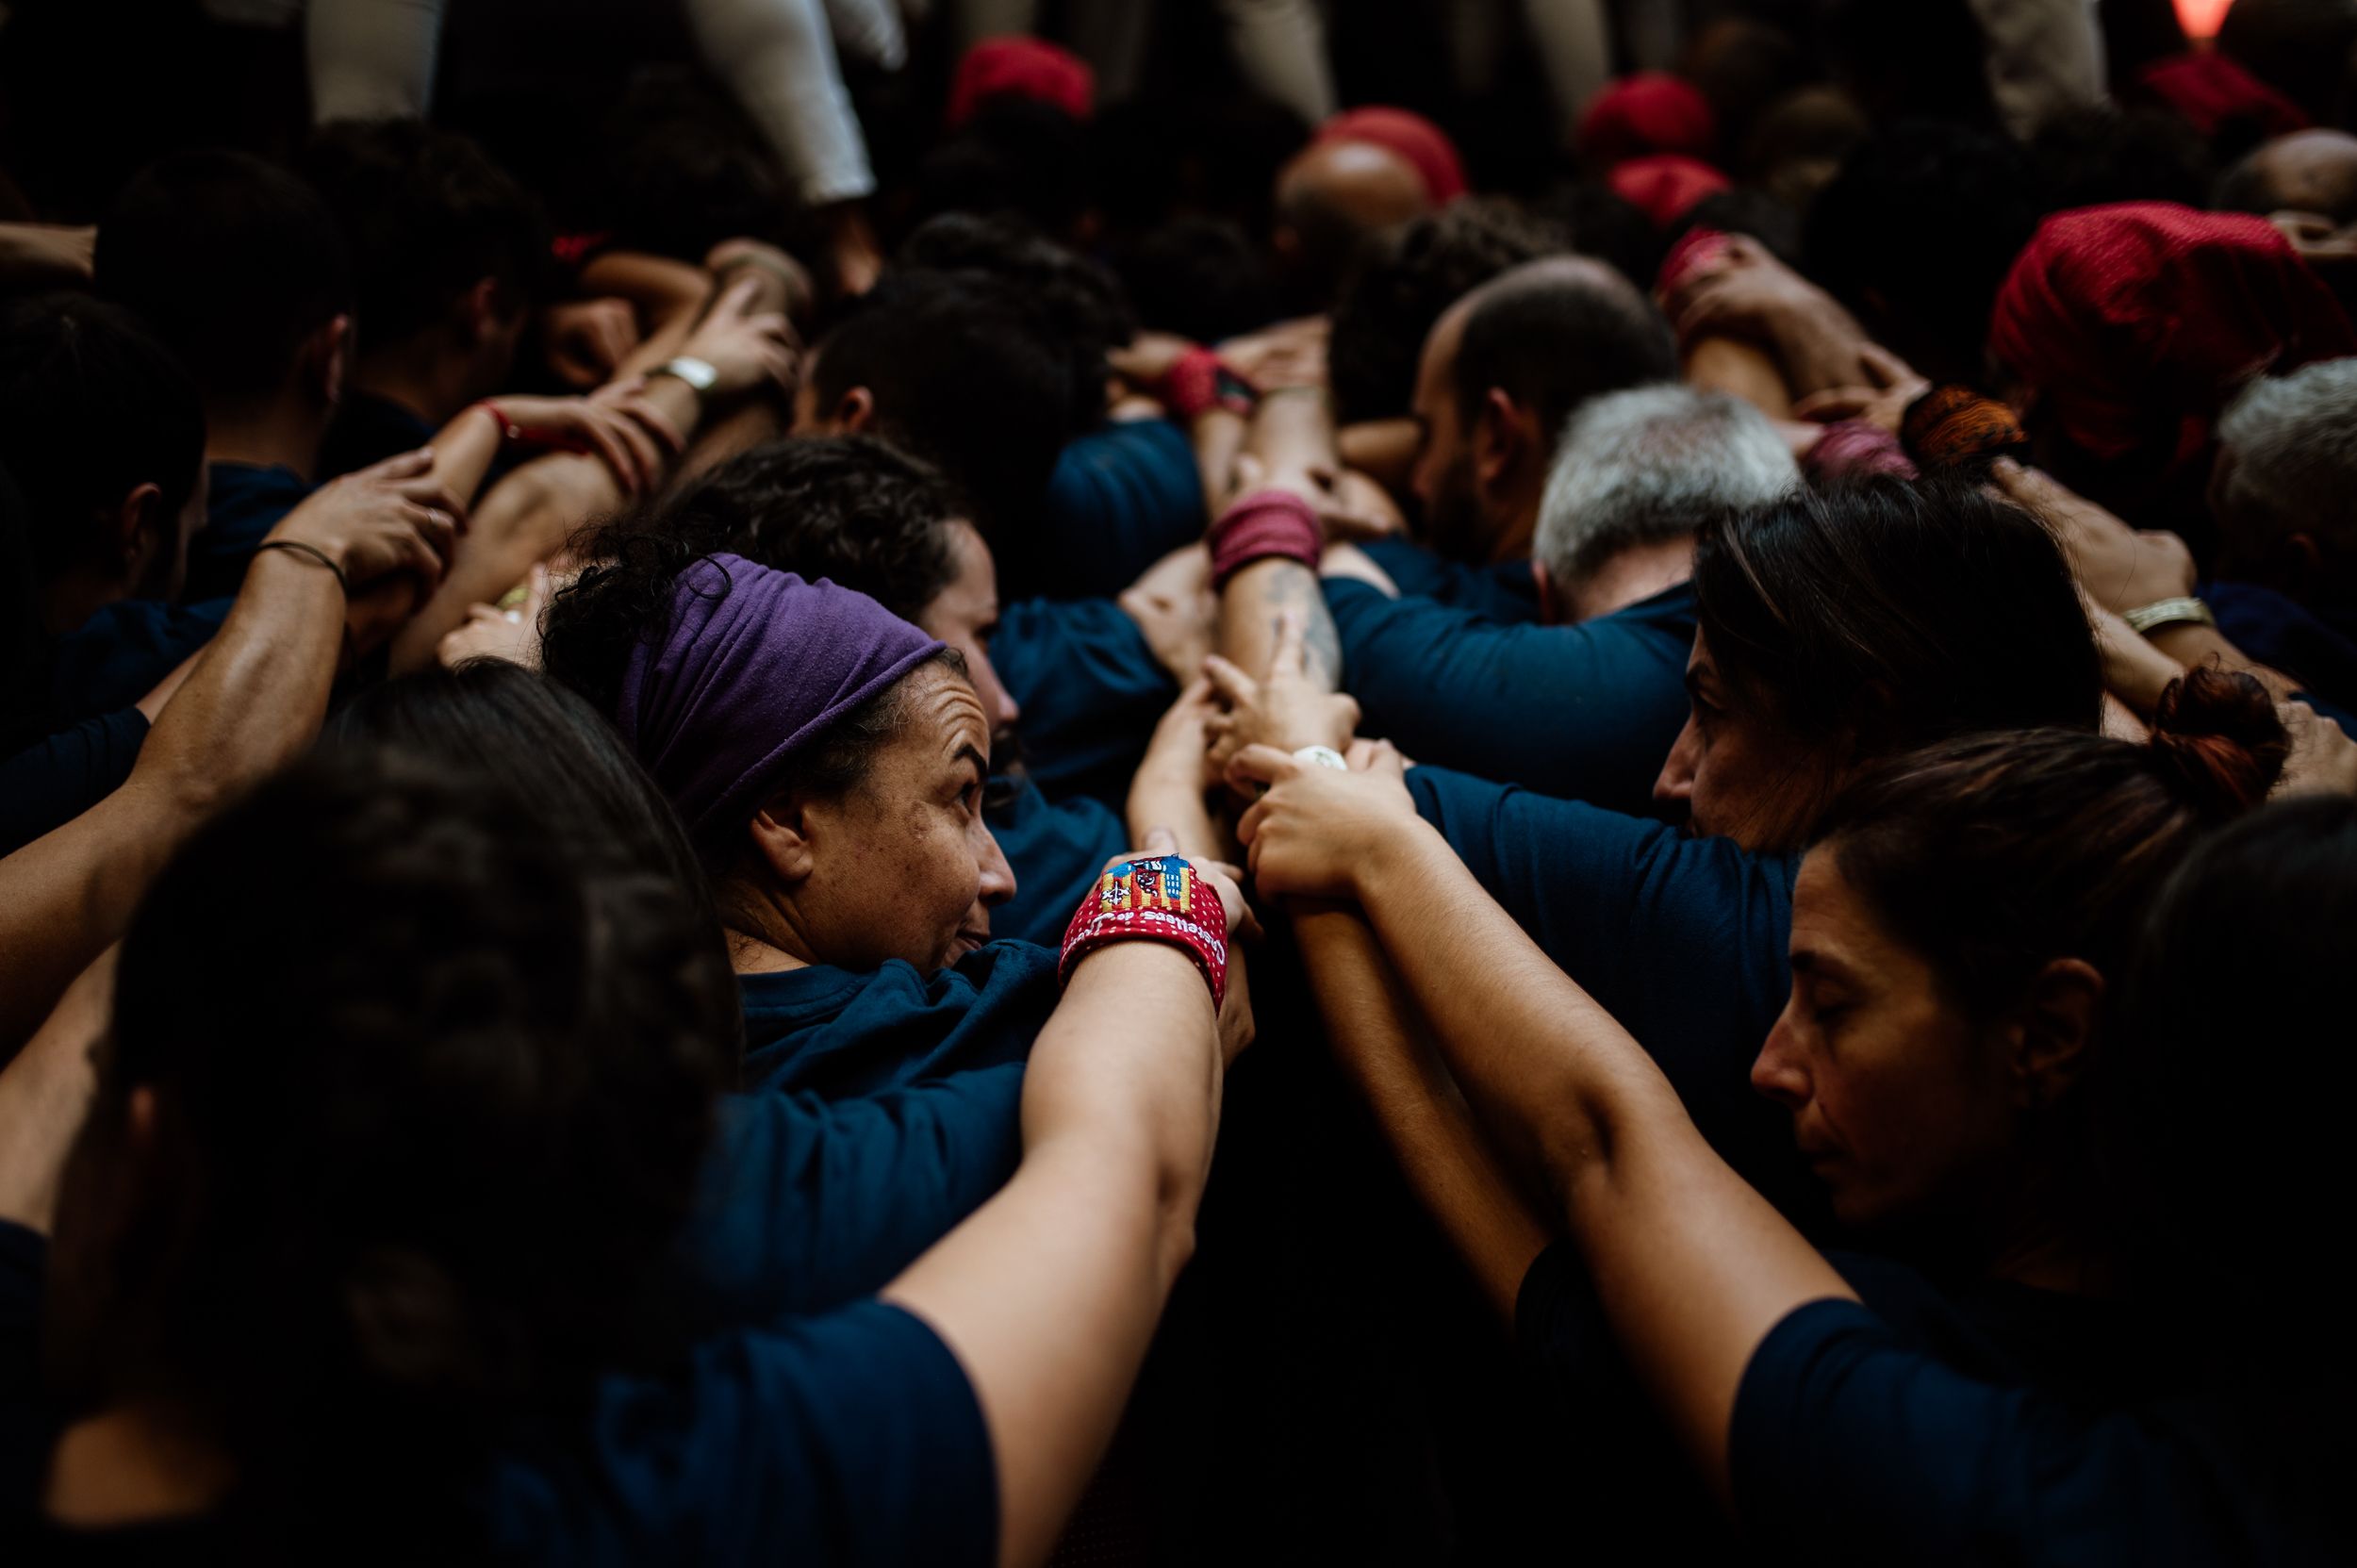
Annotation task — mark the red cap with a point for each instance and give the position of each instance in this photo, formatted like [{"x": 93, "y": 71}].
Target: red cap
[
  {"x": 1665, "y": 186},
  {"x": 1020, "y": 68},
  {"x": 1649, "y": 112},
  {"x": 2144, "y": 317},
  {"x": 2206, "y": 90},
  {"x": 1413, "y": 137}
]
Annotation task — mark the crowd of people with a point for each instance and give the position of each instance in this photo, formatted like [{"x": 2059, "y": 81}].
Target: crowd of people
[{"x": 978, "y": 788}]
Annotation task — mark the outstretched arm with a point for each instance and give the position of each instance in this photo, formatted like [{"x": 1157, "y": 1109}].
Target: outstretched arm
[
  {"x": 252, "y": 703},
  {"x": 1693, "y": 1266},
  {"x": 1050, "y": 1293}
]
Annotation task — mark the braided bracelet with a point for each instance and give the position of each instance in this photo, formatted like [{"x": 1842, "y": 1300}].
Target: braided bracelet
[
  {"x": 296, "y": 547},
  {"x": 1153, "y": 898}
]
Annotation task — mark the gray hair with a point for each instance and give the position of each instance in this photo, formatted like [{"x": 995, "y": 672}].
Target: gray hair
[
  {"x": 2294, "y": 440},
  {"x": 1650, "y": 464}
]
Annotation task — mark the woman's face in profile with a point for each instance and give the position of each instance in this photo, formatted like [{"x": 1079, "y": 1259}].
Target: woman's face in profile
[
  {"x": 902, "y": 865},
  {"x": 1900, "y": 1104},
  {"x": 1735, "y": 772}
]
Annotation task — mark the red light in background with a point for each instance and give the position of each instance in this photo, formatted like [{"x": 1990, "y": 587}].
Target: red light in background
[{"x": 2199, "y": 18}]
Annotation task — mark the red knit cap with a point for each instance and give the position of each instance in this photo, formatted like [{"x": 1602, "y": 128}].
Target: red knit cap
[
  {"x": 1413, "y": 137},
  {"x": 1020, "y": 68},
  {"x": 1665, "y": 186},
  {"x": 1649, "y": 112},
  {"x": 2145, "y": 316},
  {"x": 2206, "y": 90}
]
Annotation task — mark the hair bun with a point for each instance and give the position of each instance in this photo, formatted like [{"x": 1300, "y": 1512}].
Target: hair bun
[{"x": 2216, "y": 737}]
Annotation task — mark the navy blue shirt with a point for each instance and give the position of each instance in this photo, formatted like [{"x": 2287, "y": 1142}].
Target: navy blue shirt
[
  {"x": 1122, "y": 497},
  {"x": 1851, "y": 1443},
  {"x": 124, "y": 652},
  {"x": 878, "y": 1110},
  {"x": 368, "y": 430},
  {"x": 1091, "y": 691},
  {"x": 54, "y": 779},
  {"x": 848, "y": 1437},
  {"x": 2316, "y": 646},
  {"x": 1584, "y": 712},
  {"x": 1507, "y": 591},
  {"x": 242, "y": 504},
  {"x": 1055, "y": 850},
  {"x": 1682, "y": 940}
]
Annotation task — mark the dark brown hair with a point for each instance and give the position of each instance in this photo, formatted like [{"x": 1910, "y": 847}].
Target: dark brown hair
[{"x": 1994, "y": 855}]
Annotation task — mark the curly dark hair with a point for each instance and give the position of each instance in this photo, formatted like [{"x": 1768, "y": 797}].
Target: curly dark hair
[
  {"x": 413, "y": 1156},
  {"x": 1403, "y": 284},
  {"x": 852, "y": 508}
]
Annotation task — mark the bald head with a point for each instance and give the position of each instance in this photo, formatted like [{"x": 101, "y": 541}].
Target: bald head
[
  {"x": 1334, "y": 194},
  {"x": 1552, "y": 334},
  {"x": 2305, "y": 172},
  {"x": 1503, "y": 371}
]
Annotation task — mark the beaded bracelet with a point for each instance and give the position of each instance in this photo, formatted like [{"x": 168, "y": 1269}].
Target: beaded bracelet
[{"x": 1154, "y": 898}]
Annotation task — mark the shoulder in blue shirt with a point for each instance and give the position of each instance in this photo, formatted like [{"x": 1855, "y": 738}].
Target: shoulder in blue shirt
[
  {"x": 1851, "y": 1443},
  {"x": 1584, "y": 712},
  {"x": 1091, "y": 691},
  {"x": 1506, "y": 592},
  {"x": 833, "y": 1033},
  {"x": 1122, "y": 497},
  {"x": 1682, "y": 940},
  {"x": 120, "y": 654},
  {"x": 1055, "y": 850},
  {"x": 242, "y": 504},
  {"x": 57, "y": 778}
]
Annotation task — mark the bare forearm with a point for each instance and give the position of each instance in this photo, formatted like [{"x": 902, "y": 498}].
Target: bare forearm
[
  {"x": 253, "y": 702},
  {"x": 1693, "y": 1266},
  {"x": 1217, "y": 437},
  {"x": 1740, "y": 370},
  {"x": 46, "y": 1096},
  {"x": 1415, "y": 1106},
  {"x": 1250, "y": 605},
  {"x": 1050, "y": 1293}
]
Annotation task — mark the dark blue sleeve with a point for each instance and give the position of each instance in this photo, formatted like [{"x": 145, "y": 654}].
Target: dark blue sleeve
[
  {"x": 1122, "y": 497},
  {"x": 1506, "y": 592},
  {"x": 54, "y": 781},
  {"x": 26, "y": 1428},
  {"x": 850, "y": 1438},
  {"x": 1682, "y": 940},
  {"x": 242, "y": 504},
  {"x": 1091, "y": 691},
  {"x": 807, "y": 1204},
  {"x": 1850, "y": 1445},
  {"x": 1583, "y": 711},
  {"x": 1055, "y": 851},
  {"x": 124, "y": 652}
]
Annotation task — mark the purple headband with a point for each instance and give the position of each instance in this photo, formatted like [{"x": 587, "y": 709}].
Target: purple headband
[{"x": 753, "y": 667}]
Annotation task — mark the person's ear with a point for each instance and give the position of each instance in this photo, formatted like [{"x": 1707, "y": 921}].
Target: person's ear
[
  {"x": 1550, "y": 601},
  {"x": 480, "y": 312},
  {"x": 1505, "y": 435},
  {"x": 137, "y": 516},
  {"x": 856, "y": 412},
  {"x": 783, "y": 837},
  {"x": 324, "y": 361},
  {"x": 2054, "y": 1031}
]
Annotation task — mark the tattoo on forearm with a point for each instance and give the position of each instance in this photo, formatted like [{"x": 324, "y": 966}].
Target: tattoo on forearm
[{"x": 1297, "y": 588}]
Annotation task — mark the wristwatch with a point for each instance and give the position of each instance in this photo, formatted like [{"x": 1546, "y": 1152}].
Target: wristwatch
[
  {"x": 1324, "y": 756},
  {"x": 697, "y": 373},
  {"x": 2150, "y": 618}
]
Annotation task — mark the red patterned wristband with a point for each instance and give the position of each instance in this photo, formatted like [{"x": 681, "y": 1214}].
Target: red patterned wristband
[
  {"x": 1261, "y": 525},
  {"x": 1155, "y": 899}
]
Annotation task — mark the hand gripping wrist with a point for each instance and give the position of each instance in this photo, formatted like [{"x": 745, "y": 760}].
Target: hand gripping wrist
[{"x": 1153, "y": 898}]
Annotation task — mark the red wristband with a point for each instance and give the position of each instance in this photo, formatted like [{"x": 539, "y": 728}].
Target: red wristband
[
  {"x": 1200, "y": 381},
  {"x": 1263, "y": 524},
  {"x": 1700, "y": 250},
  {"x": 513, "y": 434},
  {"x": 1154, "y": 898}
]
